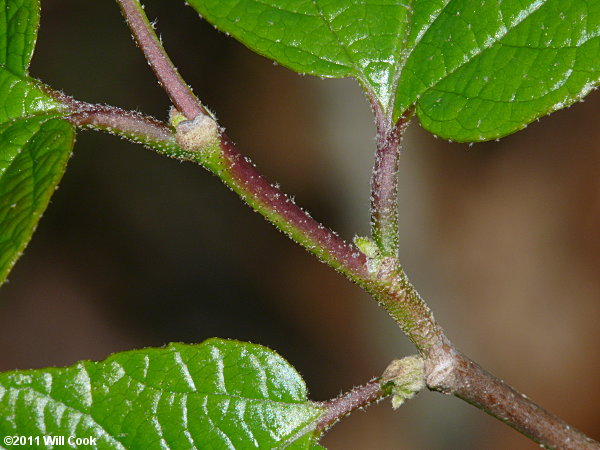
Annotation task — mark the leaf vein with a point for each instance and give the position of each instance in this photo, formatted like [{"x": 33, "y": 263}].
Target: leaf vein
[{"x": 71, "y": 408}]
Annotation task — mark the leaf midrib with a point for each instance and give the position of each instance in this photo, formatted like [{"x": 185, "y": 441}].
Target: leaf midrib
[{"x": 337, "y": 38}]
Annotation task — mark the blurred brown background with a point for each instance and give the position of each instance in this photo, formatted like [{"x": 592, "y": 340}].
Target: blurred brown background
[{"x": 137, "y": 250}]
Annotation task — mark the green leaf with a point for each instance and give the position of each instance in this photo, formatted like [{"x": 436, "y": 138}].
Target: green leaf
[
  {"x": 34, "y": 143},
  {"x": 33, "y": 156},
  {"x": 473, "y": 70},
  {"x": 218, "y": 394},
  {"x": 22, "y": 97},
  {"x": 486, "y": 69},
  {"x": 19, "y": 21},
  {"x": 330, "y": 38}
]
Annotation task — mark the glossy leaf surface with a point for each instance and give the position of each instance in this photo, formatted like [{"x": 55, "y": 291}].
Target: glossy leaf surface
[
  {"x": 218, "y": 394},
  {"x": 35, "y": 143},
  {"x": 331, "y": 38},
  {"x": 474, "y": 70}
]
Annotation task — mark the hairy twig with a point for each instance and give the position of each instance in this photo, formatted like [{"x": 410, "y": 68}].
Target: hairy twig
[
  {"x": 384, "y": 182},
  {"x": 117, "y": 120},
  {"x": 446, "y": 369},
  {"x": 451, "y": 372},
  {"x": 359, "y": 397},
  {"x": 402, "y": 379},
  {"x": 169, "y": 78},
  {"x": 238, "y": 172}
]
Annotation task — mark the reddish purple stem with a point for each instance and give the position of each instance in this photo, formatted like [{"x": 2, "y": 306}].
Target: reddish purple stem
[
  {"x": 169, "y": 78},
  {"x": 347, "y": 256},
  {"x": 384, "y": 183},
  {"x": 359, "y": 397}
]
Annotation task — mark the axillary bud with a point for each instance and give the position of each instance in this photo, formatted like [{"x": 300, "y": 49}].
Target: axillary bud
[{"x": 194, "y": 135}]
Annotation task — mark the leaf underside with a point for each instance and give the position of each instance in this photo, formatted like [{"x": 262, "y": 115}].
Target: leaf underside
[
  {"x": 35, "y": 143},
  {"x": 473, "y": 70},
  {"x": 218, "y": 394}
]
